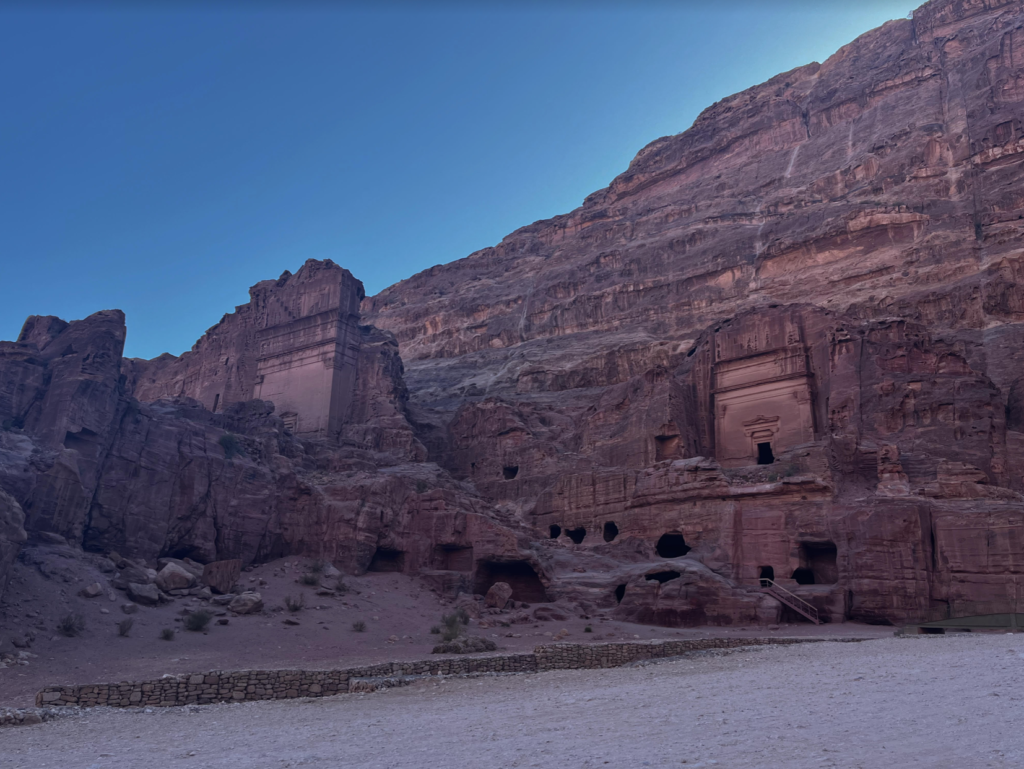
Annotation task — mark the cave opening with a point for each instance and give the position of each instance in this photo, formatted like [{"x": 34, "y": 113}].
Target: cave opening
[
  {"x": 662, "y": 576},
  {"x": 620, "y": 593},
  {"x": 387, "y": 559},
  {"x": 672, "y": 545},
  {"x": 803, "y": 576},
  {"x": 555, "y": 531},
  {"x": 519, "y": 575},
  {"x": 821, "y": 559},
  {"x": 765, "y": 456},
  {"x": 611, "y": 531},
  {"x": 766, "y": 573},
  {"x": 509, "y": 472},
  {"x": 576, "y": 535}
]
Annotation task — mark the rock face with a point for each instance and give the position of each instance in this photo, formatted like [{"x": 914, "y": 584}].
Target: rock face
[
  {"x": 822, "y": 274},
  {"x": 783, "y": 345}
]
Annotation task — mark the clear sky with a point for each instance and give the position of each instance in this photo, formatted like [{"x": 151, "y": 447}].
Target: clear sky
[{"x": 161, "y": 158}]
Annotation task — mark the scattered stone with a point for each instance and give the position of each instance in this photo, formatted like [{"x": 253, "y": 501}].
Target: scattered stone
[
  {"x": 129, "y": 608},
  {"x": 173, "y": 577},
  {"x": 91, "y": 591},
  {"x": 246, "y": 603},
  {"x": 498, "y": 596},
  {"x": 146, "y": 594}
]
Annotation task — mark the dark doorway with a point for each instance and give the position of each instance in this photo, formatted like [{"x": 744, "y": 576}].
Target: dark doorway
[
  {"x": 576, "y": 535},
  {"x": 665, "y": 447},
  {"x": 767, "y": 573},
  {"x": 620, "y": 593},
  {"x": 821, "y": 559},
  {"x": 556, "y": 531},
  {"x": 803, "y": 576},
  {"x": 519, "y": 575},
  {"x": 510, "y": 472},
  {"x": 672, "y": 545},
  {"x": 386, "y": 559},
  {"x": 611, "y": 531},
  {"x": 764, "y": 454},
  {"x": 662, "y": 576}
]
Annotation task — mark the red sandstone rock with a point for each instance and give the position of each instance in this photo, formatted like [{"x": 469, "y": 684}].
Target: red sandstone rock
[{"x": 221, "y": 576}]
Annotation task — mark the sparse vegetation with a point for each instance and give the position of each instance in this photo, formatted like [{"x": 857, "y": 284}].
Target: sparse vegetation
[
  {"x": 124, "y": 627},
  {"x": 198, "y": 620},
  {"x": 310, "y": 579},
  {"x": 167, "y": 634},
  {"x": 435, "y": 630},
  {"x": 295, "y": 604},
  {"x": 453, "y": 624},
  {"x": 421, "y": 487},
  {"x": 317, "y": 568},
  {"x": 231, "y": 445},
  {"x": 340, "y": 586},
  {"x": 359, "y": 626},
  {"x": 588, "y": 629},
  {"x": 71, "y": 625}
]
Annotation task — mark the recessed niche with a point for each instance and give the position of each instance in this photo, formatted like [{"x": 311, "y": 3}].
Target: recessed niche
[
  {"x": 555, "y": 531},
  {"x": 453, "y": 557},
  {"x": 509, "y": 472},
  {"x": 620, "y": 593},
  {"x": 662, "y": 576},
  {"x": 765, "y": 456},
  {"x": 576, "y": 535},
  {"x": 672, "y": 545},
  {"x": 611, "y": 531}
]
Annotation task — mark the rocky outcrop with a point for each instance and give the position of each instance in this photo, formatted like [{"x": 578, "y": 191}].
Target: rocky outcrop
[
  {"x": 12, "y": 534},
  {"x": 821, "y": 275}
]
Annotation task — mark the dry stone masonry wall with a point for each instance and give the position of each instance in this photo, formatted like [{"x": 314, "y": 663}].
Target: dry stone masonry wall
[{"x": 249, "y": 685}]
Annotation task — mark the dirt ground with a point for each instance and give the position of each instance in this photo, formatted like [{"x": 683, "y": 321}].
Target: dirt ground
[
  {"x": 927, "y": 701},
  {"x": 398, "y": 611}
]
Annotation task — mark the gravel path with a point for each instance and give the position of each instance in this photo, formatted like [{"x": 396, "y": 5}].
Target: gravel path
[{"x": 953, "y": 701}]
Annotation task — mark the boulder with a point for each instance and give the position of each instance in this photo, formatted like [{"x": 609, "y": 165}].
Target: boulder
[
  {"x": 221, "y": 576},
  {"x": 193, "y": 568},
  {"x": 223, "y": 600},
  {"x": 129, "y": 608},
  {"x": 147, "y": 595},
  {"x": 246, "y": 603},
  {"x": 174, "y": 577},
  {"x": 498, "y": 596},
  {"x": 132, "y": 574},
  {"x": 91, "y": 591}
]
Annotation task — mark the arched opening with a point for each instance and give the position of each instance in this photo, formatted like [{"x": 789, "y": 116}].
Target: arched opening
[
  {"x": 765, "y": 456},
  {"x": 519, "y": 575},
  {"x": 387, "y": 559},
  {"x": 576, "y": 535},
  {"x": 556, "y": 531},
  {"x": 803, "y": 576},
  {"x": 767, "y": 573},
  {"x": 611, "y": 531},
  {"x": 509, "y": 472},
  {"x": 665, "y": 447},
  {"x": 662, "y": 576},
  {"x": 672, "y": 545},
  {"x": 821, "y": 558},
  {"x": 620, "y": 593}
]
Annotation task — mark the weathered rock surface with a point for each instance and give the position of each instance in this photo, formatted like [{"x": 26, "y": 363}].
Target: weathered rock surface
[
  {"x": 246, "y": 603},
  {"x": 12, "y": 534},
  {"x": 221, "y": 576},
  {"x": 174, "y": 577},
  {"x": 498, "y": 595},
  {"x": 784, "y": 344}
]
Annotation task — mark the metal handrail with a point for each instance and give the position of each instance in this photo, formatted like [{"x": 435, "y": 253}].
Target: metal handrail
[{"x": 807, "y": 607}]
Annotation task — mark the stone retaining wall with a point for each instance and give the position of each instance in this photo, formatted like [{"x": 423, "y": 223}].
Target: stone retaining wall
[{"x": 249, "y": 685}]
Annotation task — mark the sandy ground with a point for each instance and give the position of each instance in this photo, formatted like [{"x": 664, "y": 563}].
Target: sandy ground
[
  {"x": 398, "y": 611},
  {"x": 935, "y": 701}
]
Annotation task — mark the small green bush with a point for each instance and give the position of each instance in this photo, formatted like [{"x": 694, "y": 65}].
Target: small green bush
[
  {"x": 125, "y": 626},
  {"x": 588, "y": 629},
  {"x": 196, "y": 621},
  {"x": 421, "y": 487},
  {"x": 340, "y": 586},
  {"x": 71, "y": 625},
  {"x": 452, "y": 624},
  {"x": 435, "y": 630},
  {"x": 231, "y": 445},
  {"x": 309, "y": 579},
  {"x": 294, "y": 604},
  {"x": 167, "y": 634},
  {"x": 317, "y": 567},
  {"x": 359, "y": 626}
]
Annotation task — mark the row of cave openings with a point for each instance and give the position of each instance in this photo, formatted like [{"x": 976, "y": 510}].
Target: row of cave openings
[
  {"x": 670, "y": 545},
  {"x": 520, "y": 575}
]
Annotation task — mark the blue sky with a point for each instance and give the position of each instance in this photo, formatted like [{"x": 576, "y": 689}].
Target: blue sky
[{"x": 162, "y": 158}]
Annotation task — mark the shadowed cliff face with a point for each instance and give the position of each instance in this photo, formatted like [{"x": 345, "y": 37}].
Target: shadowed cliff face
[{"x": 783, "y": 345}]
